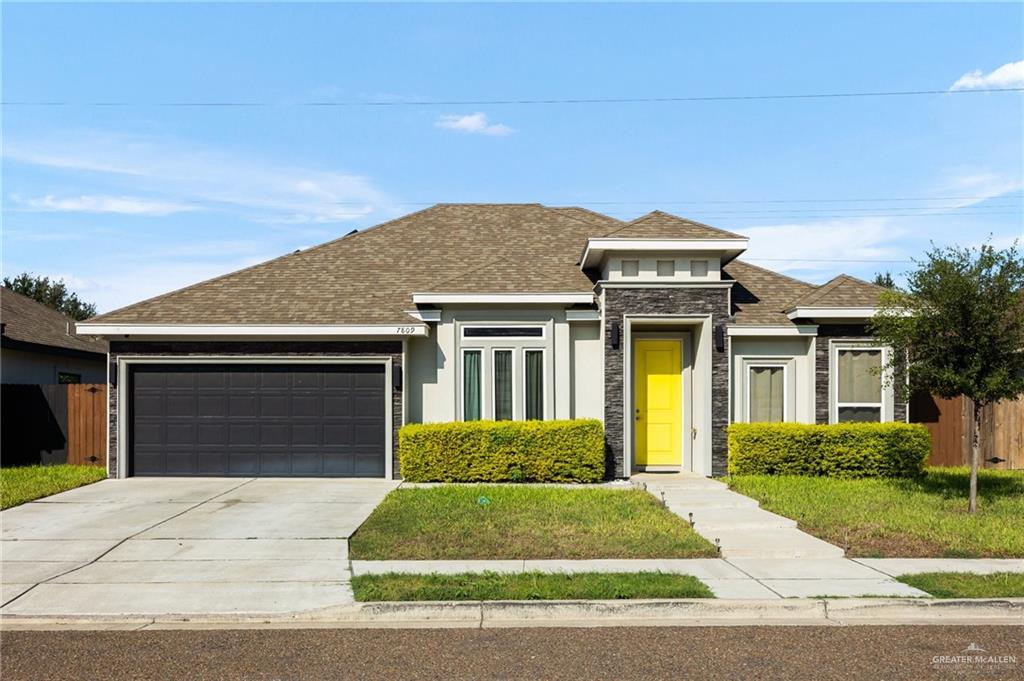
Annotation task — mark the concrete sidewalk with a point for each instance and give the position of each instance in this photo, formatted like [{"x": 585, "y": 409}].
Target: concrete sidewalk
[{"x": 148, "y": 546}]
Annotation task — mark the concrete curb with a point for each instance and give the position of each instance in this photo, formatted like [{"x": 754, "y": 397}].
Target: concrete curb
[{"x": 624, "y": 613}]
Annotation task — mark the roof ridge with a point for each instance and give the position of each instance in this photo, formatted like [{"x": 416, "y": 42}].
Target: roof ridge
[
  {"x": 265, "y": 263},
  {"x": 658, "y": 212}
]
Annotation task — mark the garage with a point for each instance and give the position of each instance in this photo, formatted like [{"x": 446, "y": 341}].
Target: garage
[{"x": 304, "y": 420}]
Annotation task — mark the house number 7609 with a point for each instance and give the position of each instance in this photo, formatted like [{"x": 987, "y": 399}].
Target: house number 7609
[{"x": 406, "y": 330}]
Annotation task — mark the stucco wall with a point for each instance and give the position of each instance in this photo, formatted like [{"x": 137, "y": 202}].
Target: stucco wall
[
  {"x": 18, "y": 366},
  {"x": 798, "y": 355},
  {"x": 587, "y": 371}
]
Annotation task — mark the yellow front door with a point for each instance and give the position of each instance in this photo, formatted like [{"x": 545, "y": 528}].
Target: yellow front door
[{"x": 658, "y": 415}]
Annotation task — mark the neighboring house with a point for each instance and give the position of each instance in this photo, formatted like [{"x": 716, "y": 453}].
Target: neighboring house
[
  {"x": 308, "y": 364},
  {"x": 38, "y": 345}
]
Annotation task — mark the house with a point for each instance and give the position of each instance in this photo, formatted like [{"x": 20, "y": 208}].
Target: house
[
  {"x": 308, "y": 364},
  {"x": 38, "y": 345}
]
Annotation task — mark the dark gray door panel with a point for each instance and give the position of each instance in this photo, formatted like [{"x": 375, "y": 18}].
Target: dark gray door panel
[{"x": 257, "y": 420}]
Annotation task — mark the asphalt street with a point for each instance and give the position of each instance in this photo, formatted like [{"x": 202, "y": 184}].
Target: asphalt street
[{"x": 792, "y": 653}]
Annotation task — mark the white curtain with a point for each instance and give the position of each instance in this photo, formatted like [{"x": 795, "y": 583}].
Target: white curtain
[
  {"x": 767, "y": 394},
  {"x": 860, "y": 379}
]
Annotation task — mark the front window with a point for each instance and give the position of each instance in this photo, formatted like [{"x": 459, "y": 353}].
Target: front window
[
  {"x": 859, "y": 391},
  {"x": 502, "y": 385},
  {"x": 471, "y": 385},
  {"x": 766, "y": 386}
]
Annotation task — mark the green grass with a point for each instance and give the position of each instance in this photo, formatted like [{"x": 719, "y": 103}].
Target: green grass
[
  {"x": 967, "y": 584},
  {"x": 448, "y": 522},
  {"x": 914, "y": 518},
  {"x": 529, "y": 586},
  {"x": 25, "y": 483}
]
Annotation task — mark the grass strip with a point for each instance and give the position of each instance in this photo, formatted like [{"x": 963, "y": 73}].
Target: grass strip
[
  {"x": 968, "y": 584},
  {"x": 527, "y": 586}
]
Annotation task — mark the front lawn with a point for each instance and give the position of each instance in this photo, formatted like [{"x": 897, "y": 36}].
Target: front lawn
[
  {"x": 967, "y": 584},
  {"x": 902, "y": 518},
  {"x": 27, "y": 483},
  {"x": 517, "y": 522},
  {"x": 528, "y": 586}
]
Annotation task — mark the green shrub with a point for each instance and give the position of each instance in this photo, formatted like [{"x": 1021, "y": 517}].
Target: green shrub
[
  {"x": 841, "y": 450},
  {"x": 503, "y": 451}
]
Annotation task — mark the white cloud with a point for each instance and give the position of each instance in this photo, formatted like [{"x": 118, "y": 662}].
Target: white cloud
[
  {"x": 1006, "y": 76},
  {"x": 252, "y": 187},
  {"x": 976, "y": 186},
  {"x": 123, "y": 205},
  {"x": 815, "y": 246},
  {"x": 473, "y": 124}
]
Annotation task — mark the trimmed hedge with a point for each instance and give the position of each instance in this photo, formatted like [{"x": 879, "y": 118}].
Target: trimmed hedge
[
  {"x": 503, "y": 451},
  {"x": 841, "y": 450}
]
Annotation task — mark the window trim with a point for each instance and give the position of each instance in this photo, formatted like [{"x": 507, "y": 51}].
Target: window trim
[
  {"x": 544, "y": 382},
  {"x": 767, "y": 364},
  {"x": 885, "y": 403},
  {"x": 462, "y": 383}
]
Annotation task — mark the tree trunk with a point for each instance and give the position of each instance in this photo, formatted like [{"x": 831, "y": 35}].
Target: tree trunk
[{"x": 972, "y": 498}]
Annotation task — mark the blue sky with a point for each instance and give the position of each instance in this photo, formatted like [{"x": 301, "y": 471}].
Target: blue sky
[{"x": 125, "y": 202}]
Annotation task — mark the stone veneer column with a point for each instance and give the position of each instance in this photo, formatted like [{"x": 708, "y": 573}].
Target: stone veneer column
[{"x": 680, "y": 300}]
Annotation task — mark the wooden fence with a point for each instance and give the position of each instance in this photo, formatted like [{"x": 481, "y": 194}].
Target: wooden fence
[
  {"x": 949, "y": 422},
  {"x": 48, "y": 424}
]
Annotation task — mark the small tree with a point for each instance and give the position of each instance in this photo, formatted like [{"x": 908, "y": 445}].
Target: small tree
[
  {"x": 53, "y": 294},
  {"x": 884, "y": 279},
  {"x": 959, "y": 327}
]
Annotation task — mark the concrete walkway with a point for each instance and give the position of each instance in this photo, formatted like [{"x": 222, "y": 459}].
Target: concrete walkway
[
  {"x": 189, "y": 546},
  {"x": 733, "y": 521}
]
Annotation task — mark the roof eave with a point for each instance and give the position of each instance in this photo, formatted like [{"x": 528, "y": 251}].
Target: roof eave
[
  {"x": 730, "y": 249},
  {"x": 109, "y": 330}
]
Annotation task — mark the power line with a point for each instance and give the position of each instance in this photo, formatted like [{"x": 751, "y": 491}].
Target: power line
[
  {"x": 694, "y": 202},
  {"x": 510, "y": 102},
  {"x": 905, "y": 260}
]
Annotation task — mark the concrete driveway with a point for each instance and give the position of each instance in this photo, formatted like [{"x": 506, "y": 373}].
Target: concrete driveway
[{"x": 166, "y": 546}]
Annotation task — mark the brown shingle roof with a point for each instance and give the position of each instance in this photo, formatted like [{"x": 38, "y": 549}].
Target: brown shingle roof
[
  {"x": 842, "y": 291},
  {"x": 27, "y": 321},
  {"x": 761, "y": 297},
  {"x": 369, "y": 277},
  {"x": 659, "y": 225}
]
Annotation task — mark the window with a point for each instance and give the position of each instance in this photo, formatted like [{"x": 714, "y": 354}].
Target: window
[
  {"x": 502, "y": 332},
  {"x": 64, "y": 377},
  {"x": 666, "y": 268},
  {"x": 502, "y": 385},
  {"x": 766, "y": 391},
  {"x": 471, "y": 385},
  {"x": 698, "y": 268},
  {"x": 534, "y": 383},
  {"x": 859, "y": 384},
  {"x": 630, "y": 268}
]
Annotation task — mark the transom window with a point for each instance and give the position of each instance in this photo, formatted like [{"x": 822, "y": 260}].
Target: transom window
[
  {"x": 666, "y": 268},
  {"x": 859, "y": 384},
  {"x": 630, "y": 268},
  {"x": 766, "y": 391},
  {"x": 503, "y": 332},
  {"x": 698, "y": 268}
]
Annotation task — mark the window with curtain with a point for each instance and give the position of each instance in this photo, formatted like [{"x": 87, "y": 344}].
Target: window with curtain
[
  {"x": 767, "y": 394},
  {"x": 471, "y": 385},
  {"x": 502, "y": 385},
  {"x": 534, "y": 380},
  {"x": 859, "y": 395}
]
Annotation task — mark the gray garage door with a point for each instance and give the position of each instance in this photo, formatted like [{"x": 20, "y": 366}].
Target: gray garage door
[{"x": 258, "y": 420}]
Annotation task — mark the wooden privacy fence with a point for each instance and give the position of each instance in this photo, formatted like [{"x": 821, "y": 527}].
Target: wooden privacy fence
[
  {"x": 48, "y": 424},
  {"x": 949, "y": 422}
]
